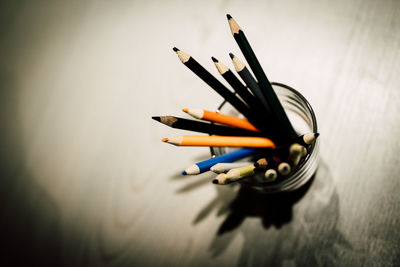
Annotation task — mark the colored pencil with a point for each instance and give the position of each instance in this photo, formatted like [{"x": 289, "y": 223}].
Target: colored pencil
[
  {"x": 228, "y": 157},
  {"x": 238, "y": 86},
  {"x": 220, "y": 141},
  {"x": 203, "y": 127},
  {"x": 235, "y": 174},
  {"x": 263, "y": 82},
  {"x": 203, "y": 114},
  {"x": 306, "y": 139},
  {"x": 223, "y": 167},
  {"x": 208, "y": 78},
  {"x": 296, "y": 152},
  {"x": 271, "y": 175},
  {"x": 284, "y": 168},
  {"x": 251, "y": 83}
]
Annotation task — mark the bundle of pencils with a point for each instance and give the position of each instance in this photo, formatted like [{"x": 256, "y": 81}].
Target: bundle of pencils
[{"x": 265, "y": 133}]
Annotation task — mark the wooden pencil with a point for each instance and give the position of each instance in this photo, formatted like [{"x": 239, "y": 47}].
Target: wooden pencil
[
  {"x": 220, "y": 141},
  {"x": 223, "y": 167},
  {"x": 235, "y": 174},
  {"x": 203, "y": 127},
  {"x": 284, "y": 168},
  {"x": 208, "y": 78},
  {"x": 203, "y": 114},
  {"x": 251, "y": 83},
  {"x": 263, "y": 82},
  {"x": 305, "y": 139},
  {"x": 205, "y": 165},
  {"x": 271, "y": 175},
  {"x": 296, "y": 152},
  {"x": 236, "y": 84}
]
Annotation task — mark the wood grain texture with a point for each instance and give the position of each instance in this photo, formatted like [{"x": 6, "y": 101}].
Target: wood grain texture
[{"x": 84, "y": 185}]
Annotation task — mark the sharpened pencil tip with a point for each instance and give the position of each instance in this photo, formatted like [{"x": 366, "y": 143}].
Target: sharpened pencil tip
[
  {"x": 184, "y": 172},
  {"x": 214, "y": 59},
  {"x": 164, "y": 139},
  {"x": 215, "y": 181},
  {"x": 231, "y": 55},
  {"x": 156, "y": 118},
  {"x": 175, "y": 49},
  {"x": 228, "y": 16},
  {"x": 185, "y": 110},
  {"x": 316, "y": 135}
]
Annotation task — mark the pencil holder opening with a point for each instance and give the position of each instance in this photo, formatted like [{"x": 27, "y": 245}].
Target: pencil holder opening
[{"x": 302, "y": 117}]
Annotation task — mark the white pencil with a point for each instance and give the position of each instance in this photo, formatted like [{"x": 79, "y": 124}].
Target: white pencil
[{"x": 223, "y": 167}]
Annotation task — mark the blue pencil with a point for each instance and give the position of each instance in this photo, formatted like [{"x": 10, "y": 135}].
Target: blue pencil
[{"x": 226, "y": 158}]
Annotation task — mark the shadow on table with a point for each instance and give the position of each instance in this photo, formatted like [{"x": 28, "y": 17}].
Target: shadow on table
[
  {"x": 273, "y": 209},
  {"x": 297, "y": 228}
]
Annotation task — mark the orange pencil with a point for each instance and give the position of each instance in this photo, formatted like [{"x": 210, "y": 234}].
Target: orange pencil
[
  {"x": 203, "y": 114},
  {"x": 213, "y": 140}
]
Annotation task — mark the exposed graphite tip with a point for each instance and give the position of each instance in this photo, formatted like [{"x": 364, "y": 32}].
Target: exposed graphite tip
[
  {"x": 316, "y": 135},
  {"x": 215, "y": 181},
  {"x": 156, "y": 118},
  {"x": 185, "y": 110},
  {"x": 231, "y": 55},
  {"x": 164, "y": 139},
  {"x": 214, "y": 59},
  {"x": 175, "y": 49},
  {"x": 184, "y": 173},
  {"x": 228, "y": 16}
]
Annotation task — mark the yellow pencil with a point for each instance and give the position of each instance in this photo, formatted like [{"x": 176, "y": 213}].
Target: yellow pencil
[{"x": 228, "y": 141}]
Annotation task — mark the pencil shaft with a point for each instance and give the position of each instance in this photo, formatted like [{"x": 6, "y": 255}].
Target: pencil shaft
[
  {"x": 205, "y": 127},
  {"x": 253, "y": 86},
  {"x": 220, "y": 141},
  {"x": 230, "y": 97},
  {"x": 265, "y": 86},
  {"x": 228, "y": 120},
  {"x": 226, "y": 158},
  {"x": 239, "y": 88}
]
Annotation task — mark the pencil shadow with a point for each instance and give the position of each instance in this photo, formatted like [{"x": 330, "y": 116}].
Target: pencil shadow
[
  {"x": 273, "y": 209},
  {"x": 299, "y": 228}
]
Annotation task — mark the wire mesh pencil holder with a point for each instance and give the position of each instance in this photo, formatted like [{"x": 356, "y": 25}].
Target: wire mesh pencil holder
[{"x": 303, "y": 119}]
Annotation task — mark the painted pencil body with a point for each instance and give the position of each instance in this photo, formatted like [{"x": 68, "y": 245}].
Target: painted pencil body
[
  {"x": 263, "y": 82},
  {"x": 203, "y": 127},
  {"x": 228, "y": 157},
  {"x": 251, "y": 83},
  {"x": 296, "y": 152},
  {"x": 238, "y": 86},
  {"x": 208, "y": 78},
  {"x": 223, "y": 167},
  {"x": 219, "y": 141},
  {"x": 235, "y": 174},
  {"x": 203, "y": 114}
]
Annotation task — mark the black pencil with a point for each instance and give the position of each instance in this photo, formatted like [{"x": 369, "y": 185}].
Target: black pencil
[
  {"x": 203, "y": 127},
  {"x": 251, "y": 83},
  {"x": 236, "y": 84},
  {"x": 230, "y": 97},
  {"x": 247, "y": 77},
  {"x": 242, "y": 91},
  {"x": 266, "y": 87}
]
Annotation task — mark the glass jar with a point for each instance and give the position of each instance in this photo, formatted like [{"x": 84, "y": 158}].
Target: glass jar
[{"x": 302, "y": 117}]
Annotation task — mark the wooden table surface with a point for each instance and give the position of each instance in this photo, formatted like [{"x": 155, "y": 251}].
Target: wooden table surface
[{"x": 85, "y": 180}]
